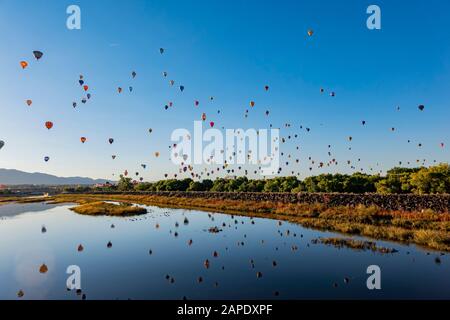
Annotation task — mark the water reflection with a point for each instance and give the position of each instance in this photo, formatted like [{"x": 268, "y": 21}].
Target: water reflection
[{"x": 175, "y": 254}]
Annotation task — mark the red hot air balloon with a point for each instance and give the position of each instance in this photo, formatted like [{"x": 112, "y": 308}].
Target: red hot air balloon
[
  {"x": 29, "y": 102},
  {"x": 211, "y": 124},
  {"x": 252, "y": 104},
  {"x": 83, "y": 139},
  {"x": 49, "y": 125},
  {"x": 86, "y": 88}
]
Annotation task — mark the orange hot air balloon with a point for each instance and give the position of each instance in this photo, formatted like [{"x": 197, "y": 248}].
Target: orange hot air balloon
[
  {"x": 157, "y": 154},
  {"x": 204, "y": 116},
  {"x": 23, "y": 64},
  {"x": 83, "y": 139},
  {"x": 29, "y": 102},
  {"x": 252, "y": 104},
  {"x": 86, "y": 88},
  {"x": 43, "y": 268},
  {"x": 49, "y": 125},
  {"x": 310, "y": 32}
]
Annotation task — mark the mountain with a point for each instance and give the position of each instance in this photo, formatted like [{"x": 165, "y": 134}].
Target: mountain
[{"x": 16, "y": 177}]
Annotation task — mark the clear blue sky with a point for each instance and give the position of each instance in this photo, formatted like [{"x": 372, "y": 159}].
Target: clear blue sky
[{"x": 229, "y": 50}]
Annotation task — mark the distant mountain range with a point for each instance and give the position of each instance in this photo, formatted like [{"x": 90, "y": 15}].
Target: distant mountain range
[{"x": 16, "y": 177}]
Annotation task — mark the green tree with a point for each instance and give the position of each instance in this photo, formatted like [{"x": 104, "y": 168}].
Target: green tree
[
  {"x": 124, "y": 184},
  {"x": 434, "y": 179}
]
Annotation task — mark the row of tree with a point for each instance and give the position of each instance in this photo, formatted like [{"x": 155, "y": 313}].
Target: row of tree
[{"x": 431, "y": 180}]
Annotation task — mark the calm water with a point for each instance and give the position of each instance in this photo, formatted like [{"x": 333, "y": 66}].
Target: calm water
[{"x": 127, "y": 270}]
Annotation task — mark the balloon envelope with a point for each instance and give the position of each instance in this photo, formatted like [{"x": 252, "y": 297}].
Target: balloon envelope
[{"x": 38, "y": 54}]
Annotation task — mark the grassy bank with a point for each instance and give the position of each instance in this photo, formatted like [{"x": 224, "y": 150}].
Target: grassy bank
[
  {"x": 426, "y": 228},
  {"x": 100, "y": 208}
]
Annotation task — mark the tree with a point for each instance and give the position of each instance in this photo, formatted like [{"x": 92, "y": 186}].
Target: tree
[
  {"x": 434, "y": 179},
  {"x": 124, "y": 184}
]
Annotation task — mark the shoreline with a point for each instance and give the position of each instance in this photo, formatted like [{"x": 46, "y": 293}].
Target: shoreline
[{"x": 426, "y": 228}]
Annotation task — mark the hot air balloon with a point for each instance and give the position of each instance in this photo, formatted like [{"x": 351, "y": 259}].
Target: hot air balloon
[
  {"x": 181, "y": 88},
  {"x": 88, "y": 95},
  {"x": 74, "y": 104},
  {"x": 119, "y": 89},
  {"x": 196, "y": 103},
  {"x": 157, "y": 154},
  {"x": 2, "y": 144},
  {"x": 23, "y": 64},
  {"x": 133, "y": 74},
  {"x": 38, "y": 54},
  {"x": 144, "y": 166},
  {"x": 310, "y": 32},
  {"x": 113, "y": 156},
  {"x": 83, "y": 100},
  {"x": 46, "y": 159},
  {"x": 164, "y": 74},
  {"x": 172, "y": 82},
  {"x": 252, "y": 104},
  {"x": 211, "y": 124},
  {"x": 81, "y": 82},
  {"x": 203, "y": 116},
  {"x": 131, "y": 89},
  {"x": 150, "y": 130},
  {"x": 85, "y": 88},
  {"x": 111, "y": 140},
  {"x": 421, "y": 107},
  {"x": 43, "y": 269},
  {"x": 442, "y": 144},
  {"x": 266, "y": 88},
  {"x": 161, "y": 50},
  {"x": 49, "y": 125},
  {"x": 29, "y": 102},
  {"x": 267, "y": 112},
  {"x": 332, "y": 94},
  {"x": 363, "y": 122},
  {"x": 83, "y": 139},
  {"x": 125, "y": 173}
]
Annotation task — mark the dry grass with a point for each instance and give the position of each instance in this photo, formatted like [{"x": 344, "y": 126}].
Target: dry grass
[
  {"x": 353, "y": 244},
  {"x": 428, "y": 229},
  {"x": 6, "y": 200},
  {"x": 101, "y": 208}
]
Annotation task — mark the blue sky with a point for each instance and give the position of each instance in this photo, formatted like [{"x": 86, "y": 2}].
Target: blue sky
[{"x": 229, "y": 50}]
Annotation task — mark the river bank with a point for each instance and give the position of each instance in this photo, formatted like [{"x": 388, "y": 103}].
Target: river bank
[{"x": 425, "y": 227}]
